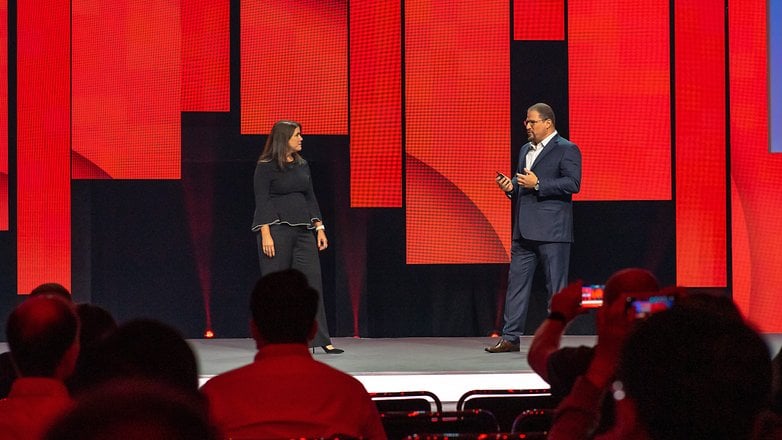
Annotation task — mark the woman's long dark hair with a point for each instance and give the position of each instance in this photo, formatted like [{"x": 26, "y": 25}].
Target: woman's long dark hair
[{"x": 276, "y": 148}]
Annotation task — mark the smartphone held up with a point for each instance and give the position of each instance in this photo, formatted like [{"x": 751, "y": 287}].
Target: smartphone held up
[
  {"x": 645, "y": 306},
  {"x": 592, "y": 296}
]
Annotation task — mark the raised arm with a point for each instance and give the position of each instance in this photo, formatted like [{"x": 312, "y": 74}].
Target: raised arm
[{"x": 565, "y": 305}]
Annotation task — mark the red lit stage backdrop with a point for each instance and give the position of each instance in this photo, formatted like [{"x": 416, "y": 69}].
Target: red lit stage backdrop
[
  {"x": 457, "y": 90},
  {"x": 422, "y": 90}
]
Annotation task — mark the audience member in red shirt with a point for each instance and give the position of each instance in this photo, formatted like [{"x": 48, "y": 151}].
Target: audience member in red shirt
[
  {"x": 285, "y": 392},
  {"x": 42, "y": 335},
  {"x": 7, "y": 370}
]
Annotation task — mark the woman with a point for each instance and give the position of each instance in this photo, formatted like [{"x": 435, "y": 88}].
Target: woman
[{"x": 286, "y": 212}]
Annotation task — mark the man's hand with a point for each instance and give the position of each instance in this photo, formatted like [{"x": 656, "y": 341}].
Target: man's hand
[
  {"x": 504, "y": 183},
  {"x": 527, "y": 179}
]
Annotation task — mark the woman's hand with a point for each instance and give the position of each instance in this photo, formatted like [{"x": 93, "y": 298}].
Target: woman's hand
[
  {"x": 323, "y": 242},
  {"x": 267, "y": 243}
]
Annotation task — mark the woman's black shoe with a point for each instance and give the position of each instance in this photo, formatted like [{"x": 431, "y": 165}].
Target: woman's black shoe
[{"x": 332, "y": 349}]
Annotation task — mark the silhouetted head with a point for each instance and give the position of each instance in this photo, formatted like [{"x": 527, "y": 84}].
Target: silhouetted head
[
  {"x": 711, "y": 303},
  {"x": 283, "y": 307},
  {"x": 96, "y": 324},
  {"x": 630, "y": 280},
  {"x": 693, "y": 374},
  {"x": 56, "y": 289},
  {"x": 149, "y": 349},
  {"x": 42, "y": 336},
  {"x": 134, "y": 409}
]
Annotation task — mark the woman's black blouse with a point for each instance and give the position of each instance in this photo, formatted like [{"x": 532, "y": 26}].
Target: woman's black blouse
[{"x": 284, "y": 196}]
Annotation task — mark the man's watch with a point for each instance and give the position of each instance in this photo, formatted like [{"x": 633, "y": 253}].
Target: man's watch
[{"x": 537, "y": 185}]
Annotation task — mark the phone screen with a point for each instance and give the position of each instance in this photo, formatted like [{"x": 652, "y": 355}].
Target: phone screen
[
  {"x": 642, "y": 308},
  {"x": 592, "y": 295}
]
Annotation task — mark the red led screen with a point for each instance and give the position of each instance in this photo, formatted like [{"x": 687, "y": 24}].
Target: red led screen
[
  {"x": 294, "y": 65},
  {"x": 205, "y": 56},
  {"x": 619, "y": 94},
  {"x": 101, "y": 87},
  {"x": 539, "y": 19},
  {"x": 701, "y": 208},
  {"x": 43, "y": 150},
  {"x": 376, "y": 104},
  {"x": 3, "y": 116},
  {"x": 126, "y": 79},
  {"x": 457, "y": 85},
  {"x": 755, "y": 191}
]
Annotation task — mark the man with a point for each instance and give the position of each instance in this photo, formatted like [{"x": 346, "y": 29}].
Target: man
[
  {"x": 685, "y": 373},
  {"x": 548, "y": 174},
  {"x": 561, "y": 366},
  {"x": 136, "y": 408},
  {"x": 7, "y": 371},
  {"x": 286, "y": 393},
  {"x": 42, "y": 334}
]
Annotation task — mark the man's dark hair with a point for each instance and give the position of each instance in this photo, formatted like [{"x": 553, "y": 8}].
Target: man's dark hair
[
  {"x": 545, "y": 111},
  {"x": 283, "y": 307},
  {"x": 630, "y": 280},
  {"x": 55, "y": 289},
  {"x": 40, "y": 330},
  {"x": 151, "y": 350},
  {"x": 696, "y": 374},
  {"x": 95, "y": 325},
  {"x": 137, "y": 408},
  {"x": 710, "y": 302}
]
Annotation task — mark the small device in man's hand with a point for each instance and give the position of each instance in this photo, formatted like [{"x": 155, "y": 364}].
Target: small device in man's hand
[{"x": 592, "y": 296}]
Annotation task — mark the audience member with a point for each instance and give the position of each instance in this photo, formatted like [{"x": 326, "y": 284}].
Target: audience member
[
  {"x": 56, "y": 289},
  {"x": 131, "y": 409},
  {"x": 561, "y": 366},
  {"x": 684, "y": 373},
  {"x": 147, "y": 349},
  {"x": 711, "y": 303},
  {"x": 776, "y": 397},
  {"x": 7, "y": 371},
  {"x": 42, "y": 335},
  {"x": 285, "y": 392},
  {"x": 96, "y": 324},
  {"x": 769, "y": 424},
  {"x": 7, "y": 374}
]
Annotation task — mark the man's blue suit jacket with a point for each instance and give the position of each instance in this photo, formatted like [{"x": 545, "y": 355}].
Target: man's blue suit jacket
[{"x": 547, "y": 214}]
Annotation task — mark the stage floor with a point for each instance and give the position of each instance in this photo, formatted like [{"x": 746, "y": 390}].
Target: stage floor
[{"x": 447, "y": 367}]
